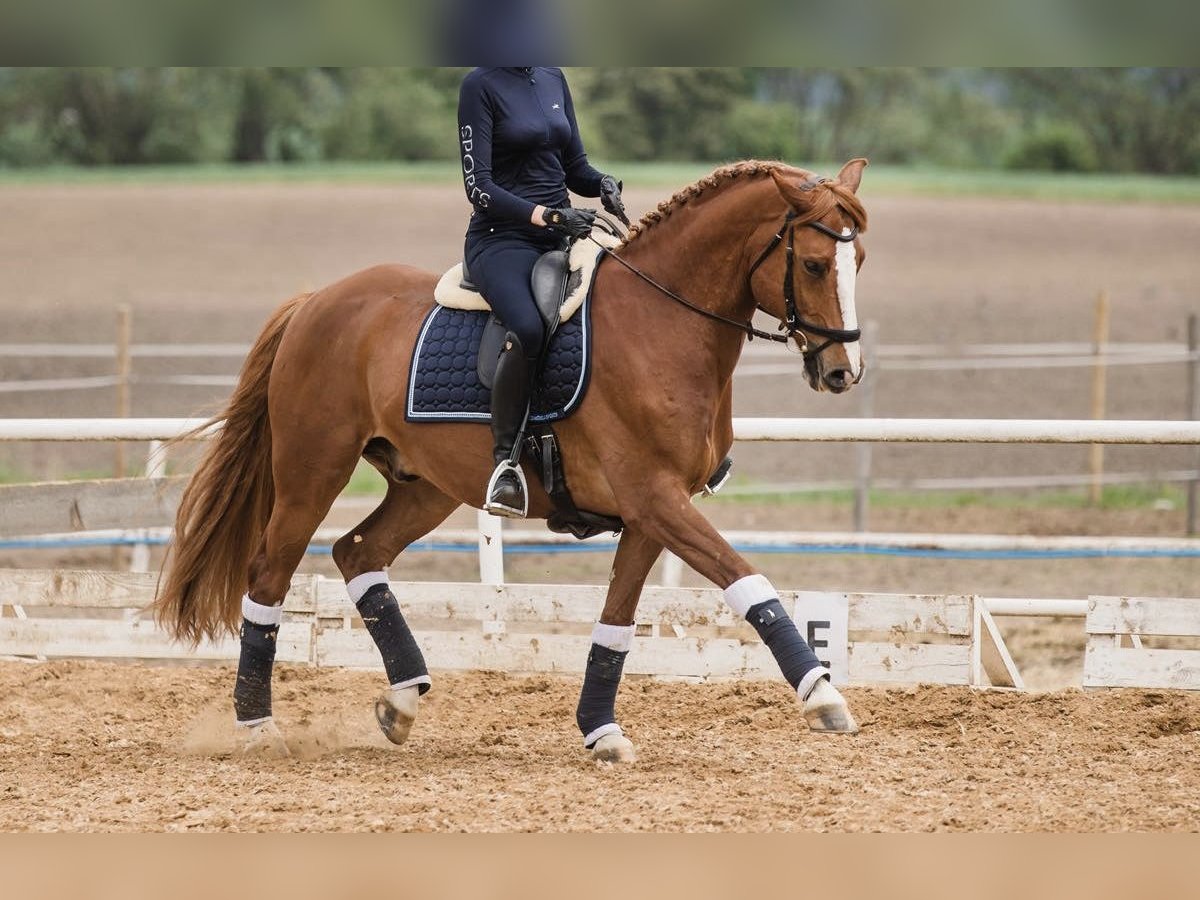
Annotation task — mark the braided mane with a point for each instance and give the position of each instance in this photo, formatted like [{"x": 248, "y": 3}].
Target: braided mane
[{"x": 827, "y": 194}]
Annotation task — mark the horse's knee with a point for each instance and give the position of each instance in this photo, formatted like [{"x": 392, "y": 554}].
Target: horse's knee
[
  {"x": 359, "y": 552},
  {"x": 345, "y": 555},
  {"x": 652, "y": 512},
  {"x": 266, "y": 584}
]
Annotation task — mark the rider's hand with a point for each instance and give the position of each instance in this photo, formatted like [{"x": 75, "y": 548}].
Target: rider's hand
[
  {"x": 610, "y": 197},
  {"x": 576, "y": 223}
]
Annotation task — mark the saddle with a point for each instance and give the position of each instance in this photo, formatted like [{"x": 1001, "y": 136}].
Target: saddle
[{"x": 550, "y": 281}]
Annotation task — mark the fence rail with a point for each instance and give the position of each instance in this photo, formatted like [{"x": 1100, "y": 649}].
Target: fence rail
[{"x": 875, "y": 430}]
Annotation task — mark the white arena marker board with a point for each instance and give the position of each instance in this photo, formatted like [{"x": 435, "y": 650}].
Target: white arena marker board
[{"x": 824, "y": 621}]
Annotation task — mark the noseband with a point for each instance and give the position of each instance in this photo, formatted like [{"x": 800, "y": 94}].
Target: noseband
[{"x": 798, "y": 327}]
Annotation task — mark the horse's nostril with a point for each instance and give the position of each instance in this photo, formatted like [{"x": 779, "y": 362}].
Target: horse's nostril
[{"x": 838, "y": 379}]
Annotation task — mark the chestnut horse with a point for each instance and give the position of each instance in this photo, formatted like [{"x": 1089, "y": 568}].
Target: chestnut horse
[{"x": 326, "y": 383}]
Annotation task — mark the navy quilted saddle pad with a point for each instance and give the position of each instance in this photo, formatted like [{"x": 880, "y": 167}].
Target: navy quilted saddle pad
[{"x": 443, "y": 385}]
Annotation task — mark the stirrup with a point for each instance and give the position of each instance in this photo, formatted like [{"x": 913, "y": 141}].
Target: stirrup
[{"x": 501, "y": 509}]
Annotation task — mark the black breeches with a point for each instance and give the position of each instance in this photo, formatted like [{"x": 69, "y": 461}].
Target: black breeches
[{"x": 500, "y": 268}]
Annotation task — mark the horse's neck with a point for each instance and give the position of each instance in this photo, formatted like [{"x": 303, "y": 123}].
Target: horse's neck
[{"x": 698, "y": 251}]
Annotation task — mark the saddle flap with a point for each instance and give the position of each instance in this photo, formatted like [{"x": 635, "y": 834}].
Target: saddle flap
[{"x": 549, "y": 283}]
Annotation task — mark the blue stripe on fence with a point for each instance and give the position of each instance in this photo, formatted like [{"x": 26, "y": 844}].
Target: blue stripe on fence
[{"x": 609, "y": 546}]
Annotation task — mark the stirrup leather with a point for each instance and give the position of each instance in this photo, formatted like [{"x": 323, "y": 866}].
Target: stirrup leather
[{"x": 500, "y": 509}]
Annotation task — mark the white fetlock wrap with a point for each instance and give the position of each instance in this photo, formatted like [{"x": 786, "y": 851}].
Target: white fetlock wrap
[
  {"x": 749, "y": 591},
  {"x": 396, "y": 712},
  {"x": 260, "y": 613},
  {"x": 614, "y": 747},
  {"x": 357, "y": 586},
  {"x": 261, "y": 738},
  {"x": 826, "y": 711}
]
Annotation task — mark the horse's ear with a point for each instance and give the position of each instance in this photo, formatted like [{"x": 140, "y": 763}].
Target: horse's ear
[
  {"x": 851, "y": 174},
  {"x": 797, "y": 197}
]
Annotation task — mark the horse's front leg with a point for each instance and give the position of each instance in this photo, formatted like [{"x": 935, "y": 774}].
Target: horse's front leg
[
  {"x": 611, "y": 640},
  {"x": 663, "y": 512}
]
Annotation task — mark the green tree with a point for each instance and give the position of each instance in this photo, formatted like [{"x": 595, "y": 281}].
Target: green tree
[
  {"x": 102, "y": 116},
  {"x": 1141, "y": 119},
  {"x": 657, "y": 113},
  {"x": 282, "y": 114},
  {"x": 395, "y": 114}
]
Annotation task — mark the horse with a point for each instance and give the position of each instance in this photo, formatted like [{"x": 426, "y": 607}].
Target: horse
[{"x": 325, "y": 384}]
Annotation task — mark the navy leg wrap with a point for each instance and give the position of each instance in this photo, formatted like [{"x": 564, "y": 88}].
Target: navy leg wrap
[
  {"x": 402, "y": 658},
  {"x": 252, "y": 691},
  {"x": 597, "y": 701},
  {"x": 777, "y": 630}
]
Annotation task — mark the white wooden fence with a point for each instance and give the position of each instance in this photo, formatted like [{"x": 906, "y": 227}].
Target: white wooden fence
[
  {"x": 688, "y": 634},
  {"x": 682, "y": 633},
  {"x": 542, "y": 628}
]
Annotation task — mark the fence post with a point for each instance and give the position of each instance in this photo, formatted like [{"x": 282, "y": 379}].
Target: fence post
[
  {"x": 1193, "y": 499},
  {"x": 672, "y": 570},
  {"x": 156, "y": 467},
  {"x": 862, "y": 450},
  {"x": 1099, "y": 395},
  {"x": 124, "y": 335},
  {"x": 491, "y": 549}
]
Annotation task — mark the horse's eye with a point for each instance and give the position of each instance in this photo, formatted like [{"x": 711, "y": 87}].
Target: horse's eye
[{"x": 812, "y": 267}]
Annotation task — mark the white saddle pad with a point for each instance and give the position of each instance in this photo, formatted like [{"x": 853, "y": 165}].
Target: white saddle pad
[{"x": 585, "y": 256}]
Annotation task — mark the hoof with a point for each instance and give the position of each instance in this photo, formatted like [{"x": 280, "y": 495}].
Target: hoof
[
  {"x": 396, "y": 711},
  {"x": 825, "y": 710},
  {"x": 262, "y": 740},
  {"x": 614, "y": 748}
]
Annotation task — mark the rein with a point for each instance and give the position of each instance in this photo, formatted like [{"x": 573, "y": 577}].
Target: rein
[
  {"x": 797, "y": 326},
  {"x": 747, "y": 327}
]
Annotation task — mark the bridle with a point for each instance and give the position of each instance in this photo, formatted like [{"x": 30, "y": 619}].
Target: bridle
[{"x": 797, "y": 327}]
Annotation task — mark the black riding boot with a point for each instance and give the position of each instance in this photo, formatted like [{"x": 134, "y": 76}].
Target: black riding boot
[{"x": 506, "y": 491}]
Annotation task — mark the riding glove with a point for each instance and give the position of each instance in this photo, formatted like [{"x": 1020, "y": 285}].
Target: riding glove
[
  {"x": 610, "y": 197},
  {"x": 576, "y": 223}
]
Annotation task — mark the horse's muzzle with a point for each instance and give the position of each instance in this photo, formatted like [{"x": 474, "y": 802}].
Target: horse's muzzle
[{"x": 838, "y": 380}]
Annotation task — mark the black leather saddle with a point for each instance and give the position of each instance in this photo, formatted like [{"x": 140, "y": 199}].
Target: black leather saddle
[{"x": 550, "y": 282}]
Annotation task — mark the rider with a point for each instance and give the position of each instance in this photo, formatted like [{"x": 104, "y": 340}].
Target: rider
[{"x": 521, "y": 151}]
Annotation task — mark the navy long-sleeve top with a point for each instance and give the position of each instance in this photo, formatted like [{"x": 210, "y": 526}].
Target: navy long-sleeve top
[{"x": 520, "y": 145}]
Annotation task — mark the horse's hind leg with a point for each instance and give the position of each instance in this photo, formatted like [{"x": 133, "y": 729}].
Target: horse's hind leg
[
  {"x": 408, "y": 512},
  {"x": 611, "y": 640},
  {"x": 306, "y": 484},
  {"x": 664, "y": 512}
]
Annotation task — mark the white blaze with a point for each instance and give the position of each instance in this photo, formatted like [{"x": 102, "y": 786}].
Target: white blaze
[{"x": 845, "y": 267}]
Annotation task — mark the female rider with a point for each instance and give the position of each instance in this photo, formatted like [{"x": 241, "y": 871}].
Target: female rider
[{"x": 521, "y": 151}]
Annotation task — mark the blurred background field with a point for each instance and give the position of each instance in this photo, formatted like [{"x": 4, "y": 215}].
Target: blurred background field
[{"x": 886, "y": 180}]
